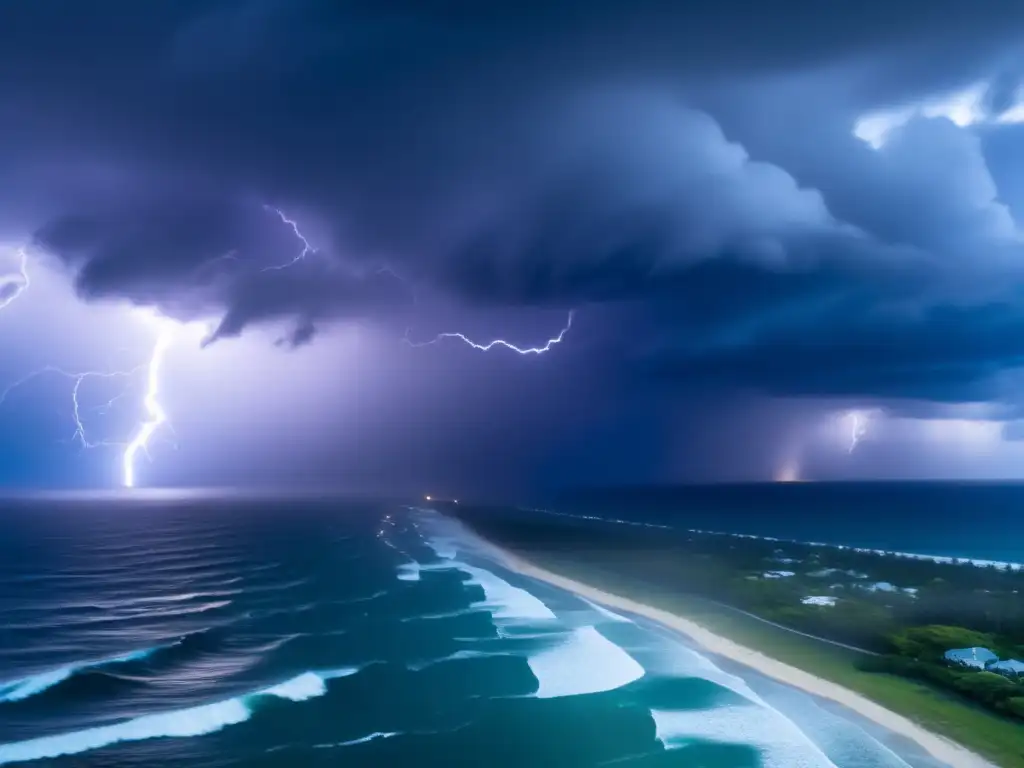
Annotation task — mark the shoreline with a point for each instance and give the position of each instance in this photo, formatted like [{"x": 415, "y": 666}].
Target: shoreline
[
  {"x": 938, "y": 747},
  {"x": 943, "y": 559}
]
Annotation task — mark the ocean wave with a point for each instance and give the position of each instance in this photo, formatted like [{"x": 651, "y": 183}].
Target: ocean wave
[
  {"x": 587, "y": 662},
  {"x": 17, "y": 690},
  {"x": 116, "y": 603},
  {"x": 781, "y": 744},
  {"x": 32, "y": 685},
  {"x": 457, "y": 656},
  {"x": 444, "y": 548},
  {"x": 179, "y": 723},
  {"x": 362, "y": 740},
  {"x": 440, "y": 615},
  {"x": 409, "y": 571},
  {"x": 114, "y": 618},
  {"x": 607, "y": 613},
  {"x": 503, "y": 600}
]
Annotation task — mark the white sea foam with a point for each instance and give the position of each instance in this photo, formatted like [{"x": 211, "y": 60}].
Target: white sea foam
[
  {"x": 675, "y": 659},
  {"x": 179, "y": 723},
  {"x": 503, "y": 600},
  {"x": 362, "y": 740},
  {"x": 846, "y": 742},
  {"x": 16, "y": 690},
  {"x": 409, "y": 572},
  {"x": 308, "y": 685},
  {"x": 608, "y": 614},
  {"x": 781, "y": 744},
  {"x": 443, "y": 547},
  {"x": 586, "y": 662},
  {"x": 194, "y": 721}
]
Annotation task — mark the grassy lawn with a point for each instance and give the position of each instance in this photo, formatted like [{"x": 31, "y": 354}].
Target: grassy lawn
[{"x": 998, "y": 739}]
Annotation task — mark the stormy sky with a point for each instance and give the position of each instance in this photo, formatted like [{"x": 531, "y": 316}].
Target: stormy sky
[{"x": 787, "y": 235}]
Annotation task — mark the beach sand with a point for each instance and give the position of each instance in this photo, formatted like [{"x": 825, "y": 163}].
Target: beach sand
[{"x": 937, "y": 746}]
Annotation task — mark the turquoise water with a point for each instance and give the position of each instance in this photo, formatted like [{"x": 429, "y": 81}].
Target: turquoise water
[{"x": 233, "y": 632}]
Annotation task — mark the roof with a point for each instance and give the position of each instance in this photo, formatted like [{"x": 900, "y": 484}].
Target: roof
[
  {"x": 972, "y": 657},
  {"x": 881, "y": 586},
  {"x": 818, "y": 600},
  {"x": 1010, "y": 665}
]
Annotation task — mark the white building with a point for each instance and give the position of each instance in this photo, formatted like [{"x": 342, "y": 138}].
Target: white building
[
  {"x": 1010, "y": 668},
  {"x": 881, "y": 586},
  {"x": 818, "y": 600},
  {"x": 977, "y": 658}
]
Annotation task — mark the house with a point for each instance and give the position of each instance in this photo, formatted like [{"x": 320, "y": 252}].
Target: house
[
  {"x": 1010, "y": 668},
  {"x": 778, "y": 574},
  {"x": 977, "y": 658},
  {"x": 818, "y": 600},
  {"x": 881, "y": 586}
]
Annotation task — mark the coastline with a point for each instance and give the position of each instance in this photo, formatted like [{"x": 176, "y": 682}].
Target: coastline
[{"x": 939, "y": 747}]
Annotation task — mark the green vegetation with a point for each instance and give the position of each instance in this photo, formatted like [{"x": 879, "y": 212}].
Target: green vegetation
[
  {"x": 919, "y": 655},
  {"x": 896, "y": 638}
]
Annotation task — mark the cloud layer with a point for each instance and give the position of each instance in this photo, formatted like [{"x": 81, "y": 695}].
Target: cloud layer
[{"x": 699, "y": 162}]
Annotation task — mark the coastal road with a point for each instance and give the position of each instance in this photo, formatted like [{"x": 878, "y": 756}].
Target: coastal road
[{"x": 754, "y": 616}]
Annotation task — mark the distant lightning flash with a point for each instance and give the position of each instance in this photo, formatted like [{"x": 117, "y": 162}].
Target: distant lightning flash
[
  {"x": 498, "y": 342},
  {"x": 858, "y": 428}
]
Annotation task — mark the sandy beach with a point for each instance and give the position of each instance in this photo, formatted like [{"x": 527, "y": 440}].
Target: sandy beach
[{"x": 937, "y": 746}]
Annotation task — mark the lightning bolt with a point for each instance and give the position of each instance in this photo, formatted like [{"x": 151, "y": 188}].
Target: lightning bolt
[
  {"x": 858, "y": 428},
  {"x": 12, "y": 287},
  {"x": 157, "y": 414},
  {"x": 78, "y": 378},
  {"x": 306, "y": 247},
  {"x": 497, "y": 342}
]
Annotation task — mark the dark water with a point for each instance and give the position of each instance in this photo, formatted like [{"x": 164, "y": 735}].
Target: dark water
[
  {"x": 967, "y": 520},
  {"x": 234, "y": 632}
]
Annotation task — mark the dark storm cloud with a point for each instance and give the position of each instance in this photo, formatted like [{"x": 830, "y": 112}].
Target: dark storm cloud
[
  {"x": 945, "y": 354},
  {"x": 192, "y": 251},
  {"x": 695, "y": 156}
]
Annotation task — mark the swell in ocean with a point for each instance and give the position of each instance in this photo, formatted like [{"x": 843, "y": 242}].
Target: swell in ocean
[{"x": 373, "y": 638}]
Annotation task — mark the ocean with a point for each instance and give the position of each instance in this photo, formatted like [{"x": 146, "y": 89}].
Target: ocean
[
  {"x": 968, "y": 520},
  {"x": 234, "y": 631}
]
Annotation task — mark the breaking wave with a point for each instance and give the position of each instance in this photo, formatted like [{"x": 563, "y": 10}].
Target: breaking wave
[
  {"x": 32, "y": 685},
  {"x": 587, "y": 662},
  {"x": 180, "y": 723}
]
